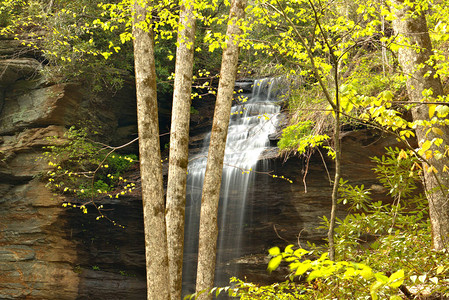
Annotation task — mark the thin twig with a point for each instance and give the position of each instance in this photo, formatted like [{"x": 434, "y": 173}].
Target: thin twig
[
  {"x": 276, "y": 231},
  {"x": 306, "y": 172},
  {"x": 299, "y": 235},
  {"x": 325, "y": 167}
]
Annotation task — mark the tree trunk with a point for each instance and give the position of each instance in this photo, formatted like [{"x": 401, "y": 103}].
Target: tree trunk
[
  {"x": 179, "y": 147},
  {"x": 337, "y": 146},
  {"x": 212, "y": 182},
  {"x": 414, "y": 60},
  {"x": 150, "y": 158}
]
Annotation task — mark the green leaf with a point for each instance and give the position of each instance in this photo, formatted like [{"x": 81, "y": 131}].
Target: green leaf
[
  {"x": 373, "y": 289},
  {"x": 387, "y": 95},
  {"x": 274, "y": 263},
  {"x": 425, "y": 146},
  {"x": 437, "y": 130},
  {"x": 343, "y": 88},
  {"x": 381, "y": 278},
  {"x": 350, "y": 272},
  {"x": 440, "y": 269},
  {"x": 291, "y": 258},
  {"x": 106, "y": 54},
  {"x": 323, "y": 256},
  {"x": 394, "y": 47},
  {"x": 294, "y": 265},
  {"x": 300, "y": 252}
]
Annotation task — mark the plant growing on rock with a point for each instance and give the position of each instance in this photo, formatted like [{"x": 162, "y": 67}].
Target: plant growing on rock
[{"x": 86, "y": 170}]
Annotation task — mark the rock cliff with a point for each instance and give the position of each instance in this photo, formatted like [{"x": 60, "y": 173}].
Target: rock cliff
[
  {"x": 51, "y": 252},
  {"x": 47, "y": 251}
]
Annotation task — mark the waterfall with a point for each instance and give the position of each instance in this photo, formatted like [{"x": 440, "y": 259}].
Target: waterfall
[{"x": 252, "y": 120}]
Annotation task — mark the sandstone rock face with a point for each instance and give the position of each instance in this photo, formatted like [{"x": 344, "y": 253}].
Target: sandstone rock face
[
  {"x": 53, "y": 105},
  {"x": 14, "y": 69},
  {"x": 35, "y": 255},
  {"x": 47, "y": 251}
]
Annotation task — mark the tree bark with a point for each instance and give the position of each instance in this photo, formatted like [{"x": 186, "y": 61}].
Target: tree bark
[
  {"x": 337, "y": 146},
  {"x": 179, "y": 147},
  {"x": 212, "y": 182},
  {"x": 150, "y": 157},
  {"x": 414, "y": 59}
]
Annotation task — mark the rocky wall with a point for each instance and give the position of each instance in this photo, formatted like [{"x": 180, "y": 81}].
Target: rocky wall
[
  {"x": 47, "y": 251},
  {"x": 51, "y": 252}
]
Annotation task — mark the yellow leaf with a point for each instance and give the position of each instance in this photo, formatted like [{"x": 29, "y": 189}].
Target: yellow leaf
[
  {"x": 367, "y": 273},
  {"x": 425, "y": 146},
  {"x": 432, "y": 169},
  {"x": 437, "y": 130},
  {"x": 329, "y": 110},
  {"x": 274, "y": 251},
  {"x": 396, "y": 279},
  {"x": 302, "y": 268},
  {"x": 431, "y": 110},
  {"x": 274, "y": 263},
  {"x": 402, "y": 155}
]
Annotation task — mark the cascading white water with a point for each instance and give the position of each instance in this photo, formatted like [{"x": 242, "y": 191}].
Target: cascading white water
[{"x": 251, "y": 122}]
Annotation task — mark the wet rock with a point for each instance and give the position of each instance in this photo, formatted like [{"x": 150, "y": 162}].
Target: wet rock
[
  {"x": 244, "y": 85},
  {"x": 282, "y": 122}
]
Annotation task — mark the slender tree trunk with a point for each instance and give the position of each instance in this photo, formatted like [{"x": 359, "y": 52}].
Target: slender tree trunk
[
  {"x": 384, "y": 49},
  {"x": 212, "y": 182},
  {"x": 179, "y": 147},
  {"x": 336, "y": 109},
  {"x": 337, "y": 146},
  {"x": 150, "y": 158},
  {"x": 420, "y": 77}
]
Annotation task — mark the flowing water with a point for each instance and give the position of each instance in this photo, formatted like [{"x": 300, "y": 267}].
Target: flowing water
[{"x": 251, "y": 122}]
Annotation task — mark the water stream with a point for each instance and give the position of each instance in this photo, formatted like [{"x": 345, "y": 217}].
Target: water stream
[{"x": 251, "y": 122}]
